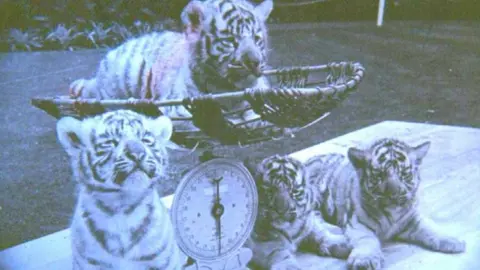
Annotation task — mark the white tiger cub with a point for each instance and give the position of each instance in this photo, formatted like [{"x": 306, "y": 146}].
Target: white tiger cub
[
  {"x": 372, "y": 195},
  {"x": 119, "y": 221},
  {"x": 288, "y": 217},
  {"x": 223, "y": 48}
]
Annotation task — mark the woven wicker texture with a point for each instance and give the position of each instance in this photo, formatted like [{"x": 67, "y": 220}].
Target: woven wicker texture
[{"x": 299, "y": 97}]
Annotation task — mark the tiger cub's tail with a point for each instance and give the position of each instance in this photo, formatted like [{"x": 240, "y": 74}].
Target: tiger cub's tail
[{"x": 84, "y": 88}]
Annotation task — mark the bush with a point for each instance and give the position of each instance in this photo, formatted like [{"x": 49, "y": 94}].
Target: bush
[
  {"x": 23, "y": 40},
  {"x": 74, "y": 24}
]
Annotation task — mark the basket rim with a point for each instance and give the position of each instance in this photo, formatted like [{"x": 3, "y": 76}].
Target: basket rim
[{"x": 358, "y": 72}]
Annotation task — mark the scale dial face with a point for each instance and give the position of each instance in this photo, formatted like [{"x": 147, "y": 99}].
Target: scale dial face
[{"x": 218, "y": 197}]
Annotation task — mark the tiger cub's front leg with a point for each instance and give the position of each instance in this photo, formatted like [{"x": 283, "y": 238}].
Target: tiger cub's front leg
[
  {"x": 325, "y": 240},
  {"x": 274, "y": 255},
  {"x": 423, "y": 232},
  {"x": 284, "y": 260},
  {"x": 366, "y": 251}
]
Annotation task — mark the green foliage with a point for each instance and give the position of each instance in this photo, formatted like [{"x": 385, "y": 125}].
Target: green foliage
[
  {"x": 99, "y": 35},
  {"x": 63, "y": 37},
  {"x": 19, "y": 40},
  {"x": 74, "y": 24}
]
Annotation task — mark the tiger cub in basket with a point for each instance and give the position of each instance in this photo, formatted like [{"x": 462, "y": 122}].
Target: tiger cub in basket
[
  {"x": 372, "y": 195},
  {"x": 119, "y": 220},
  {"x": 287, "y": 218},
  {"x": 223, "y": 48}
]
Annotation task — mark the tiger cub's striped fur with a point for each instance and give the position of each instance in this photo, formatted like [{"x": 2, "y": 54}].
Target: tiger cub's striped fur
[
  {"x": 171, "y": 65},
  {"x": 119, "y": 221},
  {"x": 288, "y": 218},
  {"x": 372, "y": 195}
]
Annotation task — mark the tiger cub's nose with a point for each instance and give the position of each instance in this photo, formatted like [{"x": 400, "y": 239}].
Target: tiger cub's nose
[{"x": 134, "y": 150}]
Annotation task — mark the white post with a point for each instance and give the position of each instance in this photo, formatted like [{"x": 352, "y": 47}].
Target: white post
[{"x": 381, "y": 8}]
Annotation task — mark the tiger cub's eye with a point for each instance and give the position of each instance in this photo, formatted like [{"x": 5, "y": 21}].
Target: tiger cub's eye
[
  {"x": 148, "y": 140},
  {"x": 103, "y": 147},
  {"x": 406, "y": 174},
  {"x": 228, "y": 42},
  {"x": 258, "y": 39},
  {"x": 107, "y": 144},
  {"x": 298, "y": 193}
]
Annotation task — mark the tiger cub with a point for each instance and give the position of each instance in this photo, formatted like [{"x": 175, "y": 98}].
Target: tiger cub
[
  {"x": 119, "y": 220},
  {"x": 223, "y": 48},
  {"x": 287, "y": 217},
  {"x": 372, "y": 195}
]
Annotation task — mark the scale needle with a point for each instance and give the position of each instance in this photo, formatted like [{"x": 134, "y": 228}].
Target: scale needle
[{"x": 217, "y": 213}]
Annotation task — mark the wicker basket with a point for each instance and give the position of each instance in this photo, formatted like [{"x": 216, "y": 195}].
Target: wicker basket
[{"x": 299, "y": 97}]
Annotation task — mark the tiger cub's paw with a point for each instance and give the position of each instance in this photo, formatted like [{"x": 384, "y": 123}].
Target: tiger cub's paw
[
  {"x": 289, "y": 264},
  {"x": 76, "y": 88},
  {"x": 361, "y": 260},
  {"x": 450, "y": 245},
  {"x": 336, "y": 246}
]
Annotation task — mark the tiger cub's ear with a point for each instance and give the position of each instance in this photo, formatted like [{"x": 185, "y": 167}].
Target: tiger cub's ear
[
  {"x": 162, "y": 128},
  {"x": 419, "y": 152},
  {"x": 192, "y": 16},
  {"x": 358, "y": 158},
  {"x": 70, "y": 134},
  {"x": 264, "y": 9}
]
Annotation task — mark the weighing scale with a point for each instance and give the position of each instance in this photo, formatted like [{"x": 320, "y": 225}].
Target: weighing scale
[{"x": 213, "y": 213}]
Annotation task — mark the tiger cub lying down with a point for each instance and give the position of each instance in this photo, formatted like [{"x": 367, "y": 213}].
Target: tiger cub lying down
[
  {"x": 119, "y": 220},
  {"x": 372, "y": 195},
  {"x": 287, "y": 219}
]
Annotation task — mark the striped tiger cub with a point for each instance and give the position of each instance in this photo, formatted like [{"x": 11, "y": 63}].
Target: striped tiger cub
[
  {"x": 223, "y": 48},
  {"x": 119, "y": 220},
  {"x": 287, "y": 218},
  {"x": 372, "y": 195}
]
